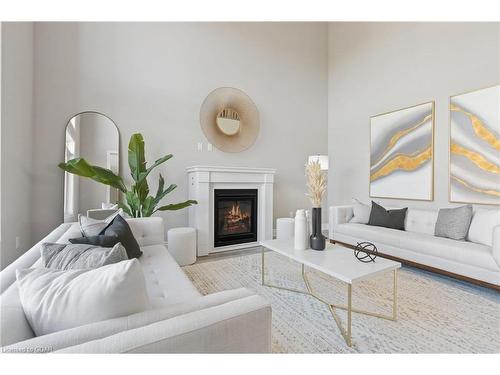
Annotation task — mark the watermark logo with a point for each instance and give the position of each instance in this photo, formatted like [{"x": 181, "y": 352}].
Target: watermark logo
[{"x": 27, "y": 350}]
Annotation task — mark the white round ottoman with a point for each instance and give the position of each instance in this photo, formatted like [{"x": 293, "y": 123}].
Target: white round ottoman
[
  {"x": 182, "y": 245},
  {"x": 285, "y": 227}
]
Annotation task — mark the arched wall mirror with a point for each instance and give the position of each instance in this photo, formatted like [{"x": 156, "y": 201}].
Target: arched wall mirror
[{"x": 94, "y": 137}]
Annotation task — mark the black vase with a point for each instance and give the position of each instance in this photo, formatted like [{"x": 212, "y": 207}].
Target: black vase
[{"x": 317, "y": 240}]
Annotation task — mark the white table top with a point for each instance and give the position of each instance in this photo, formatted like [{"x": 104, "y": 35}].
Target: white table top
[{"x": 336, "y": 261}]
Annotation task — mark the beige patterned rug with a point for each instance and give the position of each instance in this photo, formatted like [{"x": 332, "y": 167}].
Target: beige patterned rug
[{"x": 435, "y": 314}]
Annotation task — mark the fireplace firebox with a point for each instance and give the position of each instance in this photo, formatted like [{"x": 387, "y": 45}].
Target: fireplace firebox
[{"x": 235, "y": 216}]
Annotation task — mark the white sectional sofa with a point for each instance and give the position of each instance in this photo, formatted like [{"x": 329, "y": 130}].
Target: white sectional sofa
[
  {"x": 181, "y": 321},
  {"x": 418, "y": 246}
]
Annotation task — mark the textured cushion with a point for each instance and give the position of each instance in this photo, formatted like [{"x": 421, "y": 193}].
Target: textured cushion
[
  {"x": 80, "y": 256},
  {"x": 100, "y": 240},
  {"x": 92, "y": 227},
  {"x": 454, "y": 222},
  {"x": 56, "y": 300},
  {"x": 361, "y": 212},
  {"x": 421, "y": 221},
  {"x": 119, "y": 228},
  {"x": 381, "y": 217},
  {"x": 481, "y": 226}
]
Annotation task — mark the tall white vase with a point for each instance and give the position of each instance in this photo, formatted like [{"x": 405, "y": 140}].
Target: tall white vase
[{"x": 300, "y": 239}]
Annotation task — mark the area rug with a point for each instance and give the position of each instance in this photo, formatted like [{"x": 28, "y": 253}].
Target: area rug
[{"x": 436, "y": 314}]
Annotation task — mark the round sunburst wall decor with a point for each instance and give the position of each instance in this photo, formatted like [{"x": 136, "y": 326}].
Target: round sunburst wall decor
[{"x": 229, "y": 119}]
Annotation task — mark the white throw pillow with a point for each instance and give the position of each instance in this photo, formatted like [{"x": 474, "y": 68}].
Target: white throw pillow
[
  {"x": 481, "y": 227},
  {"x": 361, "y": 212},
  {"x": 56, "y": 300},
  {"x": 93, "y": 227}
]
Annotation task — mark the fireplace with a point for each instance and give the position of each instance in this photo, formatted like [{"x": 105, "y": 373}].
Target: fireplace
[
  {"x": 203, "y": 181},
  {"x": 235, "y": 216}
]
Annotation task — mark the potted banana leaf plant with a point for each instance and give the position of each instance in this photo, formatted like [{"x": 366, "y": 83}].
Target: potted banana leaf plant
[{"x": 136, "y": 199}]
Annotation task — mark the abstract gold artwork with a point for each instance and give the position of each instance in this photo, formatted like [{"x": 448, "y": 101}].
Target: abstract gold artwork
[
  {"x": 475, "y": 146},
  {"x": 401, "y": 153}
]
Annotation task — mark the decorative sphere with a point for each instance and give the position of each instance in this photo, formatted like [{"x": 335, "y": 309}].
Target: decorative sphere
[{"x": 366, "y": 252}]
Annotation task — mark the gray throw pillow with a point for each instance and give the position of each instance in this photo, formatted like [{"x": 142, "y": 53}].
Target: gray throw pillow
[
  {"x": 453, "y": 222},
  {"x": 80, "y": 256}
]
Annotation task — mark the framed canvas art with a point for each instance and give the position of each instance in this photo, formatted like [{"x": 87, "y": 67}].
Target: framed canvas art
[
  {"x": 402, "y": 153},
  {"x": 475, "y": 147}
]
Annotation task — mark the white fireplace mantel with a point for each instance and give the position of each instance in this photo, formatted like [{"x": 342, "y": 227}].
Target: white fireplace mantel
[{"x": 203, "y": 180}]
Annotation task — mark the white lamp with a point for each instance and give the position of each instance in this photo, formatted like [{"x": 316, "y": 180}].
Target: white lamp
[{"x": 321, "y": 159}]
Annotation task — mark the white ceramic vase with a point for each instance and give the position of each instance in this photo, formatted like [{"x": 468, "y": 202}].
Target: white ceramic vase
[{"x": 301, "y": 241}]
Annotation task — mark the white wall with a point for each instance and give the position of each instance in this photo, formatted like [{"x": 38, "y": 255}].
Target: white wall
[
  {"x": 380, "y": 67},
  {"x": 153, "y": 78},
  {"x": 16, "y": 138}
]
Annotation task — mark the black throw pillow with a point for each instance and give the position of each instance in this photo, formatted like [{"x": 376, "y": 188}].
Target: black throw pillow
[
  {"x": 100, "y": 240},
  {"x": 380, "y": 217},
  {"x": 119, "y": 228}
]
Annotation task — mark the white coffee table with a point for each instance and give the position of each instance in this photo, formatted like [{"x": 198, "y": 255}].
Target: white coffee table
[{"x": 340, "y": 263}]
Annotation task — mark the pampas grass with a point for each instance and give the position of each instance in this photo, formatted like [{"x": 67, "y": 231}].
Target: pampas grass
[{"x": 316, "y": 183}]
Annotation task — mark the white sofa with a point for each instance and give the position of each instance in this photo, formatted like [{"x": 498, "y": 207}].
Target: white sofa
[
  {"x": 418, "y": 246},
  {"x": 181, "y": 321}
]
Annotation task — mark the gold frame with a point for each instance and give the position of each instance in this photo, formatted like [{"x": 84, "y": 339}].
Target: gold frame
[
  {"x": 449, "y": 145},
  {"x": 431, "y": 199},
  {"x": 345, "y": 332}
]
